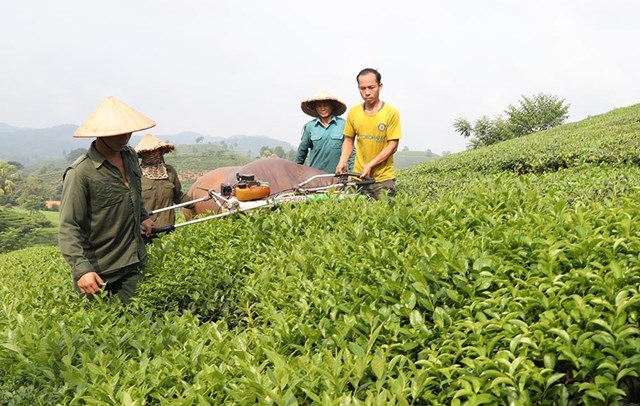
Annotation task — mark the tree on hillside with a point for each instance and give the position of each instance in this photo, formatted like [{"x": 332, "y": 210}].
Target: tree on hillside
[
  {"x": 291, "y": 155},
  {"x": 536, "y": 113},
  {"x": 9, "y": 177},
  {"x": 265, "y": 152},
  {"x": 485, "y": 131},
  {"x": 16, "y": 165},
  {"x": 33, "y": 203},
  {"x": 33, "y": 193},
  {"x": 279, "y": 152}
]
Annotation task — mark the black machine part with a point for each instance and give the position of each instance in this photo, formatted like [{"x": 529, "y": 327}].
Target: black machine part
[
  {"x": 246, "y": 180},
  {"x": 247, "y": 177},
  {"x": 226, "y": 189}
]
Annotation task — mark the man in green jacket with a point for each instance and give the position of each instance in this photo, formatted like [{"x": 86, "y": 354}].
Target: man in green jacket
[{"x": 102, "y": 217}]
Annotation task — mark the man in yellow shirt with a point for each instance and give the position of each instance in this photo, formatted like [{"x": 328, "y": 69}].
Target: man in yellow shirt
[{"x": 374, "y": 128}]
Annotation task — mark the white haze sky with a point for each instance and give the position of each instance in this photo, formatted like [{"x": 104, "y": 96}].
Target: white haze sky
[{"x": 225, "y": 67}]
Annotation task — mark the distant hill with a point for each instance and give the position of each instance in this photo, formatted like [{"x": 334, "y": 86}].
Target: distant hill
[
  {"x": 29, "y": 145},
  {"x": 244, "y": 144},
  {"x": 186, "y": 137},
  {"x": 6, "y": 128},
  {"x": 252, "y": 144},
  {"x": 33, "y": 145}
]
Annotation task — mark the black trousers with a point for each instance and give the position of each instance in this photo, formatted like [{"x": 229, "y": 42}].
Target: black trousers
[{"x": 122, "y": 282}]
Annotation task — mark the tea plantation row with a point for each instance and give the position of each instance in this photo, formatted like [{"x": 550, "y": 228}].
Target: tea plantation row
[
  {"x": 610, "y": 139},
  {"x": 476, "y": 285}
]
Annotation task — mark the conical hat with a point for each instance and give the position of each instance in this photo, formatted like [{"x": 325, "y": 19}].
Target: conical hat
[
  {"x": 150, "y": 143},
  {"x": 113, "y": 117},
  {"x": 308, "y": 105}
]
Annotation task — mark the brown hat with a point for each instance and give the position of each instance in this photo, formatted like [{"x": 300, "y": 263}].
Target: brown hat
[
  {"x": 113, "y": 117},
  {"x": 309, "y": 108},
  {"x": 151, "y": 143}
]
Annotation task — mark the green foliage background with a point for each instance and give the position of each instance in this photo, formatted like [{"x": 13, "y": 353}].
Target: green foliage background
[
  {"x": 20, "y": 228},
  {"x": 503, "y": 275},
  {"x": 533, "y": 114}
]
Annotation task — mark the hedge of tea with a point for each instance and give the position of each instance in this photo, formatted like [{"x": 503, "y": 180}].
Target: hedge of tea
[
  {"x": 508, "y": 288},
  {"x": 609, "y": 139},
  {"x": 497, "y": 293},
  {"x": 20, "y": 229}
]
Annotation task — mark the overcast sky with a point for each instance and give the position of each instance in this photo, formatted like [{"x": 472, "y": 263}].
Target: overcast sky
[{"x": 225, "y": 67}]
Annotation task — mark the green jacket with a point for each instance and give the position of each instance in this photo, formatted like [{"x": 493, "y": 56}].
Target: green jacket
[
  {"x": 322, "y": 145},
  {"x": 100, "y": 216}
]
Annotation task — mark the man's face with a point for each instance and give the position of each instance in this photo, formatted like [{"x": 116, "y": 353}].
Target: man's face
[
  {"x": 369, "y": 88},
  {"x": 324, "y": 108},
  {"x": 117, "y": 142}
]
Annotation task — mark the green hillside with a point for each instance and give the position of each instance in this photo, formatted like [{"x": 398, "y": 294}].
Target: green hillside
[
  {"x": 608, "y": 139},
  {"x": 507, "y": 275},
  {"x": 20, "y": 228}
]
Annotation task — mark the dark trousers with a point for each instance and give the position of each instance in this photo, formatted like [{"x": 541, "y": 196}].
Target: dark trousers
[
  {"x": 376, "y": 189},
  {"x": 122, "y": 282}
]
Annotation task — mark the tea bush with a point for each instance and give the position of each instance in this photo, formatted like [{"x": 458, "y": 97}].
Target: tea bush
[
  {"x": 20, "y": 229},
  {"x": 478, "y": 284},
  {"x": 608, "y": 139}
]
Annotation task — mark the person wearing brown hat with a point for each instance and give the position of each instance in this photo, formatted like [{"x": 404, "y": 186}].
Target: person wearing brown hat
[
  {"x": 322, "y": 137},
  {"x": 102, "y": 217},
  {"x": 161, "y": 186}
]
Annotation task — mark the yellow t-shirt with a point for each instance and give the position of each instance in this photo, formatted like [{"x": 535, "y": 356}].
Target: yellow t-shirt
[{"x": 372, "y": 135}]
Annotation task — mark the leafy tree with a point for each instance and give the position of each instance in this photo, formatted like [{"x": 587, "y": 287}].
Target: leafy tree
[
  {"x": 537, "y": 113},
  {"x": 463, "y": 126},
  {"x": 34, "y": 203},
  {"x": 199, "y": 140},
  {"x": 33, "y": 193},
  {"x": 16, "y": 165},
  {"x": 291, "y": 155},
  {"x": 279, "y": 152},
  {"x": 9, "y": 177},
  {"x": 485, "y": 131},
  {"x": 265, "y": 152},
  {"x": 44, "y": 169}
]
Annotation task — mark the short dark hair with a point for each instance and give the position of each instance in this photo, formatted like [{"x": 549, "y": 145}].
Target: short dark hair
[{"x": 366, "y": 71}]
